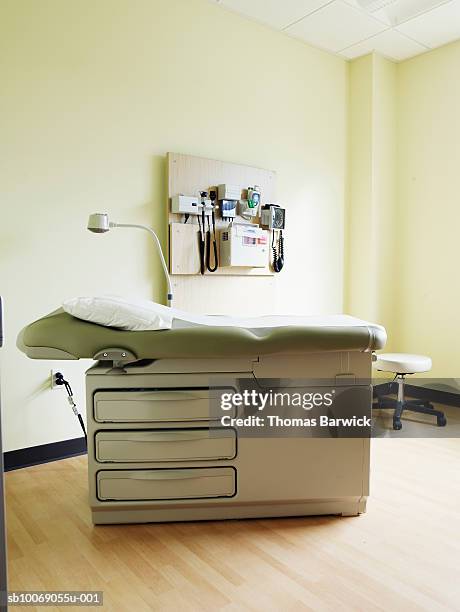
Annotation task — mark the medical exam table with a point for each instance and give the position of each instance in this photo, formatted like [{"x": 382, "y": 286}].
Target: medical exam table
[{"x": 156, "y": 449}]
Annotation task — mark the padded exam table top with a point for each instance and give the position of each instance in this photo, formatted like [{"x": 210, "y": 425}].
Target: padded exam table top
[{"x": 62, "y": 336}]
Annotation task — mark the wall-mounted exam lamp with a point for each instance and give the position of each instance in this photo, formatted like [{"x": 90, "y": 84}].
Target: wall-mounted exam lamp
[{"x": 99, "y": 224}]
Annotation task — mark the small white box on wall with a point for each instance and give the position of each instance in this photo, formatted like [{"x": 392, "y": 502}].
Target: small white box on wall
[
  {"x": 228, "y": 192},
  {"x": 244, "y": 246}
]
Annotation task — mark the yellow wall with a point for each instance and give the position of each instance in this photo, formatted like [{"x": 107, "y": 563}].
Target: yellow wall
[
  {"x": 384, "y": 193},
  {"x": 403, "y": 209},
  {"x": 372, "y": 191},
  {"x": 428, "y": 296},
  {"x": 359, "y": 295},
  {"x": 93, "y": 96}
]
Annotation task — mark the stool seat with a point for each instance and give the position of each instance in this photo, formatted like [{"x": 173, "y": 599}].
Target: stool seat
[{"x": 402, "y": 363}]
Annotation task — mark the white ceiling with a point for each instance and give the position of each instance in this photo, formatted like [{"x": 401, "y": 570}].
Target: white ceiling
[{"x": 400, "y": 30}]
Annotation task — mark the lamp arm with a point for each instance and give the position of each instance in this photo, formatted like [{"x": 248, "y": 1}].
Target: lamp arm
[{"x": 160, "y": 252}]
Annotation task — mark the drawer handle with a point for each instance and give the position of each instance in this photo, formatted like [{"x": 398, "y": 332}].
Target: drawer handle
[
  {"x": 164, "y": 437},
  {"x": 172, "y": 396},
  {"x": 172, "y": 476}
]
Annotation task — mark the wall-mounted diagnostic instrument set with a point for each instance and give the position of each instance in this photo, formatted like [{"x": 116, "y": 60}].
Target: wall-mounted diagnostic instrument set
[
  {"x": 226, "y": 227},
  {"x": 250, "y": 235}
]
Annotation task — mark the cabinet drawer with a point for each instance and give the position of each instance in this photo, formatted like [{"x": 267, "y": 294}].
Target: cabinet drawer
[
  {"x": 132, "y": 485},
  {"x": 154, "y": 406},
  {"x": 165, "y": 445}
]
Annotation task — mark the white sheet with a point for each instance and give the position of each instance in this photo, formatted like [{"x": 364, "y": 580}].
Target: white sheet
[
  {"x": 143, "y": 315},
  {"x": 187, "y": 319}
]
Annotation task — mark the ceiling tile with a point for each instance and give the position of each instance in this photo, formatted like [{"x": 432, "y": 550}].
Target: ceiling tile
[
  {"x": 276, "y": 13},
  {"x": 398, "y": 11},
  {"x": 380, "y": 15},
  {"x": 336, "y": 26},
  {"x": 391, "y": 44},
  {"x": 436, "y": 27}
]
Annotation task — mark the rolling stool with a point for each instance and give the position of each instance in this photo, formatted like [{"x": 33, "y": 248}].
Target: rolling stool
[{"x": 401, "y": 364}]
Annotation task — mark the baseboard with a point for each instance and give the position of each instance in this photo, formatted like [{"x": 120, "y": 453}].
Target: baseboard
[
  {"x": 34, "y": 455},
  {"x": 431, "y": 395}
]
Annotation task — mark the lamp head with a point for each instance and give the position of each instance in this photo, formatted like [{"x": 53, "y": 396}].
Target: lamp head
[{"x": 99, "y": 223}]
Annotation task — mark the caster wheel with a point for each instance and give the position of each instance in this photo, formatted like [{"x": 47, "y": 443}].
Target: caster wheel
[
  {"x": 397, "y": 425},
  {"x": 442, "y": 421}
]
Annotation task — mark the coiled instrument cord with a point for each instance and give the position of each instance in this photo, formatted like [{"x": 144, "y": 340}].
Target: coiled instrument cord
[
  {"x": 214, "y": 243},
  {"x": 278, "y": 252}
]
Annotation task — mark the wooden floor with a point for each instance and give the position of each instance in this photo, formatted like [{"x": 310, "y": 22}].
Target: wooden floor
[{"x": 402, "y": 555}]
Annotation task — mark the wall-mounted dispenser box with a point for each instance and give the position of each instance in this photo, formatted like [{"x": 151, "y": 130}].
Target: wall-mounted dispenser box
[
  {"x": 228, "y": 209},
  {"x": 228, "y": 192},
  {"x": 244, "y": 246},
  {"x": 189, "y": 205}
]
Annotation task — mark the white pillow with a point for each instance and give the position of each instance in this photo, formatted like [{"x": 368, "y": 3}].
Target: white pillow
[{"x": 113, "y": 311}]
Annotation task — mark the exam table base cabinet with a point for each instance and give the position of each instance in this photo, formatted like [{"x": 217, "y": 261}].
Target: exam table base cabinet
[{"x": 151, "y": 457}]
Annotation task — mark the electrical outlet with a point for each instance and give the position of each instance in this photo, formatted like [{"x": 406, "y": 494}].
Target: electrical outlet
[{"x": 54, "y": 386}]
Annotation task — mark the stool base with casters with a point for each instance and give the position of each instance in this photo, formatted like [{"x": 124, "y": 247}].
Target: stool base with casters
[{"x": 402, "y": 364}]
